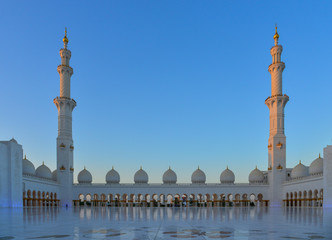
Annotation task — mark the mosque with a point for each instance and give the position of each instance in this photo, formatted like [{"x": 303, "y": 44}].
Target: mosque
[{"x": 302, "y": 186}]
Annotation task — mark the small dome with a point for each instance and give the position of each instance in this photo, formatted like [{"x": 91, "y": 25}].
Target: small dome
[
  {"x": 28, "y": 167},
  {"x": 317, "y": 166},
  {"x": 299, "y": 171},
  {"x": 256, "y": 176},
  {"x": 44, "y": 172},
  {"x": 84, "y": 176},
  {"x": 141, "y": 176},
  {"x": 112, "y": 177},
  {"x": 169, "y": 177},
  {"x": 198, "y": 177},
  {"x": 54, "y": 175},
  {"x": 227, "y": 176}
]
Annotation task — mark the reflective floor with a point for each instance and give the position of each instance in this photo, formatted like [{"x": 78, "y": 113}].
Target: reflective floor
[{"x": 165, "y": 223}]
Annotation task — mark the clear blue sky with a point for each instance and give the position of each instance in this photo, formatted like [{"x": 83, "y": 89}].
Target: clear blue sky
[{"x": 166, "y": 83}]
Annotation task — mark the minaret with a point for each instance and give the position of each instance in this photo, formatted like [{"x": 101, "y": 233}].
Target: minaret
[
  {"x": 277, "y": 140},
  {"x": 64, "y": 145}
]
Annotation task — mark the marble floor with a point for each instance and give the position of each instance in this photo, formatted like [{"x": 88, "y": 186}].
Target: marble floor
[{"x": 165, "y": 223}]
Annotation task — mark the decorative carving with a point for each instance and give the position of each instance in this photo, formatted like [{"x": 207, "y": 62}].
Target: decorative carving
[
  {"x": 279, "y": 167},
  {"x": 279, "y": 145}
]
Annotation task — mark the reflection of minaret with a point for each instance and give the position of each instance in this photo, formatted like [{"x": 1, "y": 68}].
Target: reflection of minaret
[
  {"x": 65, "y": 148},
  {"x": 277, "y": 140}
]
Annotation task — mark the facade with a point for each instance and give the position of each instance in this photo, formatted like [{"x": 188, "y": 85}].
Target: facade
[{"x": 23, "y": 185}]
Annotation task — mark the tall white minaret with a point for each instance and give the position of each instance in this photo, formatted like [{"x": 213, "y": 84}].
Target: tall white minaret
[
  {"x": 277, "y": 140},
  {"x": 64, "y": 145}
]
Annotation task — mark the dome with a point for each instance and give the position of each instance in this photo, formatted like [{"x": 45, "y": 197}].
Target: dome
[
  {"x": 227, "y": 176},
  {"x": 44, "y": 172},
  {"x": 112, "y": 177},
  {"x": 28, "y": 167},
  {"x": 169, "y": 177},
  {"x": 84, "y": 176},
  {"x": 54, "y": 175},
  {"x": 198, "y": 176},
  {"x": 256, "y": 176},
  {"x": 141, "y": 176},
  {"x": 316, "y": 167},
  {"x": 299, "y": 171}
]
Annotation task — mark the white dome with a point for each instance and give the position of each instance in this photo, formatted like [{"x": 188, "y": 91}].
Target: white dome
[
  {"x": 317, "y": 166},
  {"x": 112, "y": 177},
  {"x": 28, "y": 167},
  {"x": 44, "y": 172},
  {"x": 84, "y": 176},
  {"x": 141, "y": 176},
  {"x": 169, "y": 177},
  {"x": 198, "y": 176},
  {"x": 227, "y": 176},
  {"x": 299, "y": 171},
  {"x": 54, "y": 175},
  {"x": 256, "y": 176}
]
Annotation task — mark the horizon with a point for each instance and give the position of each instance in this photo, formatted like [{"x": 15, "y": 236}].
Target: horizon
[{"x": 158, "y": 86}]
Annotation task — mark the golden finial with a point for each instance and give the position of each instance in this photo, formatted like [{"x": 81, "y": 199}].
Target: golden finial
[
  {"x": 319, "y": 156},
  {"x": 84, "y": 168},
  {"x": 276, "y": 37},
  {"x": 227, "y": 167},
  {"x": 113, "y": 167},
  {"x": 65, "y": 39},
  {"x": 256, "y": 166},
  {"x": 198, "y": 167},
  {"x": 169, "y": 167},
  {"x": 25, "y": 157},
  {"x": 300, "y": 162},
  {"x": 141, "y": 167},
  {"x": 43, "y": 163}
]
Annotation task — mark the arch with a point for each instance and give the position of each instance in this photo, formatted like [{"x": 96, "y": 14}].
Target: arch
[
  {"x": 88, "y": 199},
  {"x": 260, "y": 197},
  {"x": 252, "y": 199},
  {"x": 162, "y": 200},
  {"x": 34, "y": 198},
  {"x": 169, "y": 199}
]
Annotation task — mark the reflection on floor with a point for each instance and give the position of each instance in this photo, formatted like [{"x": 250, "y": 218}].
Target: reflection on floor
[{"x": 165, "y": 223}]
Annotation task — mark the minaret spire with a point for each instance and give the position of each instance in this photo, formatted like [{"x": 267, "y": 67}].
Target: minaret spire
[
  {"x": 276, "y": 37},
  {"x": 65, "y": 40},
  {"x": 65, "y": 147},
  {"x": 277, "y": 139}
]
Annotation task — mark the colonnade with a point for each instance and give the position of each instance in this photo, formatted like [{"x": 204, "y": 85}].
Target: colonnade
[{"x": 40, "y": 199}]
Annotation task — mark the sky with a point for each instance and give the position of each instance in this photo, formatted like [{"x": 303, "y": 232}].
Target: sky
[{"x": 166, "y": 83}]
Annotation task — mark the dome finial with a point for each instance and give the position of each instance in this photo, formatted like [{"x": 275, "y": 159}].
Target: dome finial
[
  {"x": 276, "y": 37},
  {"x": 84, "y": 168},
  {"x": 43, "y": 163},
  {"x": 113, "y": 167},
  {"x": 256, "y": 166},
  {"x": 300, "y": 162},
  {"x": 25, "y": 157},
  {"x": 65, "y": 39},
  {"x": 227, "y": 167},
  {"x": 319, "y": 156},
  {"x": 169, "y": 167},
  {"x": 198, "y": 167},
  {"x": 141, "y": 167}
]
